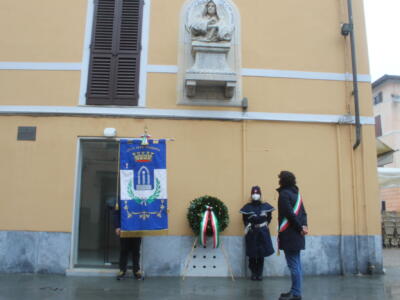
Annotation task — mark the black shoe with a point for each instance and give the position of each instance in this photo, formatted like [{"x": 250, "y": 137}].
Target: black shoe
[
  {"x": 295, "y": 298},
  {"x": 285, "y": 296},
  {"x": 259, "y": 278},
  {"x": 121, "y": 275},
  {"x": 253, "y": 277},
  {"x": 138, "y": 275}
]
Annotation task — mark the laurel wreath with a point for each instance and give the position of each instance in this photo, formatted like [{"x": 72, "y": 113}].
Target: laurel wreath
[
  {"x": 144, "y": 201},
  {"x": 197, "y": 208}
]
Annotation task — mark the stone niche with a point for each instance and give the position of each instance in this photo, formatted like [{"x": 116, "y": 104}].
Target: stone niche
[{"x": 209, "y": 54}]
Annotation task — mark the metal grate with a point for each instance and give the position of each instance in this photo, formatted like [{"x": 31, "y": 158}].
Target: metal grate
[
  {"x": 26, "y": 133},
  {"x": 207, "y": 262}
]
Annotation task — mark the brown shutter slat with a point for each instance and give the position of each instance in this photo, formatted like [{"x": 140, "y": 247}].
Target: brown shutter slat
[
  {"x": 101, "y": 61},
  {"x": 115, "y": 57},
  {"x": 126, "y": 81},
  {"x": 130, "y": 26},
  {"x": 127, "y": 68},
  {"x": 104, "y": 26},
  {"x": 100, "y": 78}
]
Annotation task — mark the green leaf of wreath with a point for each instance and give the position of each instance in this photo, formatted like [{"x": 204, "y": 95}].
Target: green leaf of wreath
[
  {"x": 197, "y": 208},
  {"x": 156, "y": 192},
  {"x": 131, "y": 194},
  {"x": 144, "y": 201}
]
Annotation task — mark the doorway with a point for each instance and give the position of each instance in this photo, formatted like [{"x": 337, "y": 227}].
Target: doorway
[{"x": 98, "y": 246}]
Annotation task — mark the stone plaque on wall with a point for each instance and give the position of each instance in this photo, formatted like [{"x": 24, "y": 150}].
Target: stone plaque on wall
[{"x": 209, "y": 58}]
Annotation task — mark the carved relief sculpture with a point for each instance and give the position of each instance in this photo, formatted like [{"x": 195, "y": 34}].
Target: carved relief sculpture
[
  {"x": 210, "y": 27},
  {"x": 210, "y": 72}
]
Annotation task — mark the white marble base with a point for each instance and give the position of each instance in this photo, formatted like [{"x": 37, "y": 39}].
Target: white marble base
[
  {"x": 34, "y": 252},
  {"x": 210, "y": 70},
  {"x": 49, "y": 252}
]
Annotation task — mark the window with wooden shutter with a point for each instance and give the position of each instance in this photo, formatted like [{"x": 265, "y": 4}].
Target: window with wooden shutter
[{"x": 115, "y": 53}]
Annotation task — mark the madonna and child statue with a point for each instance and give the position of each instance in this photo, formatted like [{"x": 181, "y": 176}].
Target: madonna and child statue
[{"x": 210, "y": 30}]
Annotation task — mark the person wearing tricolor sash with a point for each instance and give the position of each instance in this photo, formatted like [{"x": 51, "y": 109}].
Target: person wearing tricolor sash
[
  {"x": 256, "y": 217},
  {"x": 292, "y": 218}
]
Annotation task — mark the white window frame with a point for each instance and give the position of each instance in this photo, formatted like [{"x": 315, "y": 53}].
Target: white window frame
[{"x": 143, "y": 53}]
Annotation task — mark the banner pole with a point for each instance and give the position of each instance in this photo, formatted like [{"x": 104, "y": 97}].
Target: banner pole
[
  {"x": 227, "y": 261},
  {"x": 102, "y": 138},
  {"x": 189, "y": 259},
  {"x": 117, "y": 198}
]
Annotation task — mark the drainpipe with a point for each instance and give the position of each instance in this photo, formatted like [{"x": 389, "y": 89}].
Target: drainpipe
[{"x": 348, "y": 28}]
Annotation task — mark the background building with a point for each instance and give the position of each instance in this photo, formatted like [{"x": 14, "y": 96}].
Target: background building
[
  {"x": 386, "y": 100},
  {"x": 70, "y": 69}
]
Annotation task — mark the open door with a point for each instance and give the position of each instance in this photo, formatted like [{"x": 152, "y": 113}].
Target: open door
[{"x": 98, "y": 245}]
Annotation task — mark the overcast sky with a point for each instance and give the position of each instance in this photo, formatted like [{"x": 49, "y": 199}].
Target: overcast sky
[{"x": 383, "y": 32}]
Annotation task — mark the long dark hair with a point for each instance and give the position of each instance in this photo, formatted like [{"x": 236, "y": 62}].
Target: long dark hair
[{"x": 287, "y": 179}]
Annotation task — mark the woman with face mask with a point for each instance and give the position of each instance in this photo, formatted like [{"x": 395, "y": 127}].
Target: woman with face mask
[{"x": 256, "y": 217}]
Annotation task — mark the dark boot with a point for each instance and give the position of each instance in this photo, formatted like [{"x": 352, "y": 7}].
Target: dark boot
[
  {"x": 260, "y": 268},
  {"x": 289, "y": 296},
  {"x": 285, "y": 296},
  {"x": 121, "y": 275},
  {"x": 138, "y": 275},
  {"x": 253, "y": 268}
]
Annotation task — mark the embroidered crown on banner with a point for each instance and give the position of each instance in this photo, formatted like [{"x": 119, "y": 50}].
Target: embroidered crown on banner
[{"x": 143, "y": 156}]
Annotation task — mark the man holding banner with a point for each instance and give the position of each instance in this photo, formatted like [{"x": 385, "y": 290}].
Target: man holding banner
[
  {"x": 142, "y": 206},
  {"x": 127, "y": 246},
  {"x": 292, "y": 219}
]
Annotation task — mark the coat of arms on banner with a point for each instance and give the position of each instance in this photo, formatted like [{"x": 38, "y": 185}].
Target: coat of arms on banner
[{"x": 143, "y": 186}]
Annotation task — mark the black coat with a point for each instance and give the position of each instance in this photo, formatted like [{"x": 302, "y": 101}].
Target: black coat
[
  {"x": 258, "y": 239},
  {"x": 117, "y": 218},
  {"x": 291, "y": 239}
]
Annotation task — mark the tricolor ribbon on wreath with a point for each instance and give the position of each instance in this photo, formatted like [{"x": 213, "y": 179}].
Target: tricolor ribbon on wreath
[
  {"x": 209, "y": 216},
  {"x": 285, "y": 222}
]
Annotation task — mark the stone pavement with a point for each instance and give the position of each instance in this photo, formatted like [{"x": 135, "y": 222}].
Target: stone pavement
[{"x": 46, "y": 287}]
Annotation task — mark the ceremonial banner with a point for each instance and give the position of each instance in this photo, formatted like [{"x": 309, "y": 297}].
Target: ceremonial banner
[{"x": 143, "y": 187}]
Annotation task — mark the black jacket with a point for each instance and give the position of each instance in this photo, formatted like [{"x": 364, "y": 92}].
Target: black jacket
[
  {"x": 117, "y": 218},
  {"x": 291, "y": 239}
]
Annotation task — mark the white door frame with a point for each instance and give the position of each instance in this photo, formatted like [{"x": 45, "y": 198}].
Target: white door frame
[{"x": 76, "y": 205}]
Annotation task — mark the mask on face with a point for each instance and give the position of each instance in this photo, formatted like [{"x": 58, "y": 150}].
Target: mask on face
[{"x": 256, "y": 197}]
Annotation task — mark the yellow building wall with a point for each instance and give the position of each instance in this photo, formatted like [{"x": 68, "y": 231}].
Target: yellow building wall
[
  {"x": 53, "y": 88},
  {"x": 278, "y": 95},
  {"x": 286, "y": 36},
  {"x": 42, "y": 31},
  {"x": 223, "y": 159},
  {"x": 275, "y": 35},
  {"x": 338, "y": 184},
  {"x": 283, "y": 32},
  {"x": 61, "y": 88}
]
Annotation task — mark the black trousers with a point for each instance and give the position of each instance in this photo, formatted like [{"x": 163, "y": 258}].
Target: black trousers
[
  {"x": 130, "y": 245},
  {"x": 256, "y": 265}
]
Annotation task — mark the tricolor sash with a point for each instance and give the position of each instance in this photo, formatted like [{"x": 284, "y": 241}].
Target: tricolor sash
[
  {"x": 296, "y": 209},
  {"x": 285, "y": 222},
  {"x": 209, "y": 216}
]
